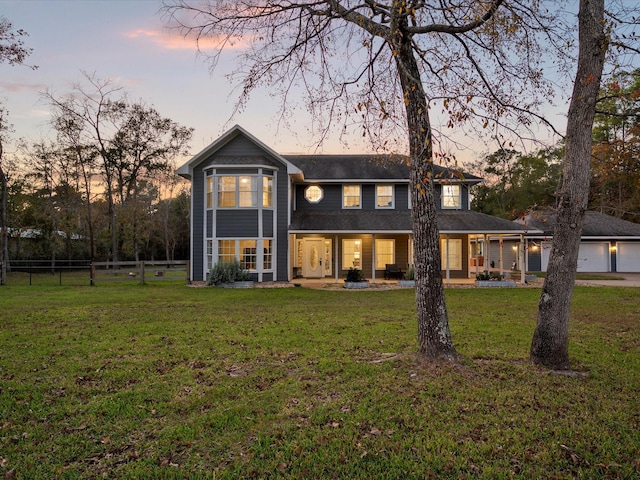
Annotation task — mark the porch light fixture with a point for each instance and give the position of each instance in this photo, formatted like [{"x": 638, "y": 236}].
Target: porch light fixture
[{"x": 613, "y": 248}]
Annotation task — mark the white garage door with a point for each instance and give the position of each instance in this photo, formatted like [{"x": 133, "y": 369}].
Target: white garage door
[
  {"x": 592, "y": 257},
  {"x": 628, "y": 257}
]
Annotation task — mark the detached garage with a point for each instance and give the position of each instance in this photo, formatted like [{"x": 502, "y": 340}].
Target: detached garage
[
  {"x": 592, "y": 257},
  {"x": 628, "y": 256},
  {"x": 609, "y": 244}
]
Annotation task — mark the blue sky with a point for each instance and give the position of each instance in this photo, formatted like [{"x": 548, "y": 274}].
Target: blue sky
[{"x": 126, "y": 40}]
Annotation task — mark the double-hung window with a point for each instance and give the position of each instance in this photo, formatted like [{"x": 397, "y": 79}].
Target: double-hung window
[
  {"x": 351, "y": 253},
  {"x": 227, "y": 191},
  {"x": 451, "y": 196},
  {"x": 451, "y": 253},
  {"x": 385, "y": 253},
  {"x": 267, "y": 191},
  {"x": 351, "y": 196},
  {"x": 246, "y": 252},
  {"x": 384, "y": 196},
  {"x": 242, "y": 191}
]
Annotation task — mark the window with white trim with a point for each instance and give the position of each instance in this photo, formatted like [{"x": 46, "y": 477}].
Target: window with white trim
[
  {"x": 385, "y": 252},
  {"x": 226, "y": 191},
  {"x": 267, "y": 256},
  {"x": 351, "y": 196},
  {"x": 241, "y": 191},
  {"x": 451, "y": 196},
  {"x": 267, "y": 191},
  {"x": 226, "y": 250},
  {"x": 247, "y": 191},
  {"x": 246, "y": 252},
  {"x": 313, "y": 194},
  {"x": 454, "y": 253},
  {"x": 351, "y": 253},
  {"x": 384, "y": 196},
  {"x": 209, "y": 192}
]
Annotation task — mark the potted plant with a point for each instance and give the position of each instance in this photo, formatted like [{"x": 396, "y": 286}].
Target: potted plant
[
  {"x": 229, "y": 274},
  {"x": 355, "y": 279},
  {"x": 409, "y": 279}
]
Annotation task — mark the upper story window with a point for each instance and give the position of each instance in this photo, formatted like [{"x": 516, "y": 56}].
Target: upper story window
[
  {"x": 267, "y": 191},
  {"x": 240, "y": 191},
  {"x": 384, "y": 196},
  {"x": 209, "y": 192},
  {"x": 351, "y": 196},
  {"x": 313, "y": 194},
  {"x": 451, "y": 196}
]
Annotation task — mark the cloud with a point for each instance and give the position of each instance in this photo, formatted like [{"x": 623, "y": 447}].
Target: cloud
[
  {"x": 18, "y": 87},
  {"x": 178, "y": 42}
]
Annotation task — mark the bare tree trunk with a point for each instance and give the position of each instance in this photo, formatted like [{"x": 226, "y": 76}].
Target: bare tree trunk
[
  {"x": 434, "y": 336},
  {"x": 4, "y": 237},
  {"x": 550, "y": 344}
]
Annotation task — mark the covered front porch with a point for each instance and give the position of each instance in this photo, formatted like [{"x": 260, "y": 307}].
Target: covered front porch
[{"x": 327, "y": 257}]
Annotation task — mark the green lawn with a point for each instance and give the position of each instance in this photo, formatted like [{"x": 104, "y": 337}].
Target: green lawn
[{"x": 164, "y": 381}]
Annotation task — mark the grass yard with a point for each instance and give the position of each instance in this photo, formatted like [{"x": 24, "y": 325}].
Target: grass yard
[{"x": 163, "y": 381}]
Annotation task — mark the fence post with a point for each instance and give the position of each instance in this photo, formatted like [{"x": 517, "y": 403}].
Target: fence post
[
  {"x": 92, "y": 275},
  {"x": 141, "y": 273}
]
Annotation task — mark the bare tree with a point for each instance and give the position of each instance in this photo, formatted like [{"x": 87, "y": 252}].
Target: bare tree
[
  {"x": 12, "y": 51},
  {"x": 550, "y": 344},
  {"x": 387, "y": 66},
  {"x": 4, "y": 236},
  {"x": 130, "y": 140}
]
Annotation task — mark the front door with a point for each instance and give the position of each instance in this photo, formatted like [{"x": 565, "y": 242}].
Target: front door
[{"x": 313, "y": 258}]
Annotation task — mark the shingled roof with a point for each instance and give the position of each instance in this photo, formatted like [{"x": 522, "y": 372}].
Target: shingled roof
[
  {"x": 377, "y": 221},
  {"x": 596, "y": 224},
  {"x": 366, "y": 167}
]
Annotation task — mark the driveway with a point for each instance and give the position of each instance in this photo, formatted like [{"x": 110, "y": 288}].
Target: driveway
[{"x": 630, "y": 280}]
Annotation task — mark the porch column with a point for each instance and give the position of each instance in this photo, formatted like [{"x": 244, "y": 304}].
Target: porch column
[
  {"x": 446, "y": 256},
  {"x": 500, "y": 260},
  {"x": 373, "y": 258},
  {"x": 522, "y": 259},
  {"x": 486, "y": 249},
  {"x": 336, "y": 259}
]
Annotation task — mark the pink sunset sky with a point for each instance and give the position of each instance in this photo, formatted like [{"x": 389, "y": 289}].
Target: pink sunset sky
[{"x": 127, "y": 41}]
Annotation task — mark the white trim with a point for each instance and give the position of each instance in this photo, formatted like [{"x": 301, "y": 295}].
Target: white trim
[
  {"x": 393, "y": 196},
  {"x": 186, "y": 170},
  {"x": 359, "y": 207}
]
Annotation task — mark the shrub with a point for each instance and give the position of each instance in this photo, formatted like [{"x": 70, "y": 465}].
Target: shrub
[
  {"x": 227, "y": 272},
  {"x": 354, "y": 275},
  {"x": 486, "y": 275},
  {"x": 410, "y": 274}
]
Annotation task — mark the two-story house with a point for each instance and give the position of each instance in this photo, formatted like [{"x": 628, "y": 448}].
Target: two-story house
[{"x": 315, "y": 216}]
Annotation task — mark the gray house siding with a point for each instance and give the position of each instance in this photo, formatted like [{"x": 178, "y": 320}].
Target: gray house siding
[
  {"x": 331, "y": 199},
  {"x": 282, "y": 226},
  {"x": 239, "y": 222},
  {"x": 401, "y": 200},
  {"x": 236, "y": 223},
  {"x": 197, "y": 224}
]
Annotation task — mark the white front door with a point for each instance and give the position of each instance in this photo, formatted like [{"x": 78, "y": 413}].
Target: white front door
[{"x": 313, "y": 258}]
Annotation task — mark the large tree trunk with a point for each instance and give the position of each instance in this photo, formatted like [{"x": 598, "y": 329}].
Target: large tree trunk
[
  {"x": 4, "y": 237},
  {"x": 550, "y": 344},
  {"x": 434, "y": 336}
]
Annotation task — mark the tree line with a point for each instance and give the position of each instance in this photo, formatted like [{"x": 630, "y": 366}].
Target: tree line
[
  {"x": 517, "y": 182},
  {"x": 104, "y": 188}
]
